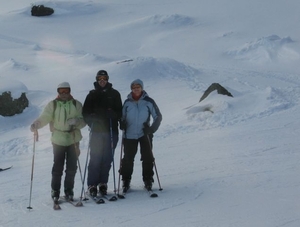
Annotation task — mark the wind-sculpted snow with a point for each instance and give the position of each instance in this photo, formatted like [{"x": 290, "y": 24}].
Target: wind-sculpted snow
[
  {"x": 90, "y": 58},
  {"x": 13, "y": 64},
  {"x": 158, "y": 21},
  {"x": 154, "y": 70},
  {"x": 223, "y": 110},
  {"x": 172, "y": 21},
  {"x": 266, "y": 49},
  {"x": 218, "y": 111}
]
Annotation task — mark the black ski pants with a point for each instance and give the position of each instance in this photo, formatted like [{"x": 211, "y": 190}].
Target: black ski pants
[
  {"x": 130, "y": 150},
  {"x": 62, "y": 155}
]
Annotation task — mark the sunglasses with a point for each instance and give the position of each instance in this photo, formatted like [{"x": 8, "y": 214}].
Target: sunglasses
[
  {"x": 65, "y": 91},
  {"x": 102, "y": 78}
]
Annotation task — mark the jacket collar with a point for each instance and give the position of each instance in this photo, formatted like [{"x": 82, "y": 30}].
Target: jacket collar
[{"x": 102, "y": 89}]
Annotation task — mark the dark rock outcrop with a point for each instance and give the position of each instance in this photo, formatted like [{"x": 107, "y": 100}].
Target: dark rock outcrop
[
  {"x": 10, "y": 106},
  {"x": 215, "y": 86},
  {"x": 41, "y": 10}
]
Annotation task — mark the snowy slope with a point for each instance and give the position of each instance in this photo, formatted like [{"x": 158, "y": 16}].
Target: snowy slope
[{"x": 235, "y": 165}]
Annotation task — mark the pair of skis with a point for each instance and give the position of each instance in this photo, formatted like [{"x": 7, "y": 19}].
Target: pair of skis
[
  {"x": 99, "y": 199},
  {"x": 150, "y": 192},
  {"x": 57, "y": 201}
]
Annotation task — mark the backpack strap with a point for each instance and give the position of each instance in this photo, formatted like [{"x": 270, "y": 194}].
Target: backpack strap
[{"x": 51, "y": 123}]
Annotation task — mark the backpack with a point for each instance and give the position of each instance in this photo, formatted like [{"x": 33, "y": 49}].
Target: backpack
[
  {"x": 51, "y": 123},
  {"x": 41, "y": 10}
]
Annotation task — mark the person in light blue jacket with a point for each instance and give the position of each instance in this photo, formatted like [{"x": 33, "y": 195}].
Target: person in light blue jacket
[{"x": 137, "y": 111}]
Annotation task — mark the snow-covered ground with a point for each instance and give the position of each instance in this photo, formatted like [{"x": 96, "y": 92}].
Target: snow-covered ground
[{"x": 236, "y": 165}]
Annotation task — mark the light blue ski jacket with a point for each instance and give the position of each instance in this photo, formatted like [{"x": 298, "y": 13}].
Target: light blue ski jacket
[{"x": 136, "y": 113}]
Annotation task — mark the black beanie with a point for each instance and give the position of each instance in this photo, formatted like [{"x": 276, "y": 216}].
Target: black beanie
[{"x": 102, "y": 73}]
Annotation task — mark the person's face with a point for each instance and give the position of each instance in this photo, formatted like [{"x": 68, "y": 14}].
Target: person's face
[
  {"x": 64, "y": 93},
  {"x": 136, "y": 89},
  {"x": 102, "y": 81}
]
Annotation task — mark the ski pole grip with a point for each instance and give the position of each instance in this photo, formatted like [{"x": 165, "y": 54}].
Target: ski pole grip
[{"x": 36, "y": 135}]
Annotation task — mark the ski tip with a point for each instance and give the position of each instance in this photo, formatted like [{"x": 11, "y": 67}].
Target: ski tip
[
  {"x": 153, "y": 195},
  {"x": 100, "y": 201},
  {"x": 56, "y": 207},
  {"x": 121, "y": 196},
  {"x": 5, "y": 168},
  {"x": 113, "y": 198},
  {"x": 79, "y": 204}
]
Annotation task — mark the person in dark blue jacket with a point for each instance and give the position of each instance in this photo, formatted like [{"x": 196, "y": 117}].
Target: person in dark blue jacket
[
  {"x": 137, "y": 110},
  {"x": 102, "y": 110}
]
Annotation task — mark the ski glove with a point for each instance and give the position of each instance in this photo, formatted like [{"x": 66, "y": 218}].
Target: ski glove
[
  {"x": 147, "y": 129},
  {"x": 90, "y": 119},
  {"x": 111, "y": 114},
  {"x": 73, "y": 121},
  {"x": 35, "y": 126},
  {"x": 123, "y": 125}
]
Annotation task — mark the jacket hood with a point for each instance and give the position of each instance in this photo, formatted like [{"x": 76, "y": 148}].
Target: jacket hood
[{"x": 144, "y": 94}]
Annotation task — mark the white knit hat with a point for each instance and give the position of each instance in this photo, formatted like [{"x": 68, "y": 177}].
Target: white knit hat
[{"x": 64, "y": 85}]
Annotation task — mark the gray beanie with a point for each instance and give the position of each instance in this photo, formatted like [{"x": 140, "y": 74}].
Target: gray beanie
[{"x": 137, "y": 81}]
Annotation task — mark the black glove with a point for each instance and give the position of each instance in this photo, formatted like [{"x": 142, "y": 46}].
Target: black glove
[
  {"x": 111, "y": 114},
  {"x": 91, "y": 119},
  {"x": 123, "y": 125},
  {"x": 147, "y": 129}
]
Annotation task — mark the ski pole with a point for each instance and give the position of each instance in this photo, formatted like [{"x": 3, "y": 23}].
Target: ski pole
[
  {"x": 79, "y": 167},
  {"x": 79, "y": 202},
  {"x": 82, "y": 181},
  {"x": 121, "y": 153},
  {"x": 35, "y": 138},
  {"x": 84, "y": 174},
  {"x": 112, "y": 153},
  {"x": 150, "y": 144}
]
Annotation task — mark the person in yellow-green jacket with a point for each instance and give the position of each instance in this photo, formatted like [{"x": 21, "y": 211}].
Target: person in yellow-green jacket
[{"x": 64, "y": 115}]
